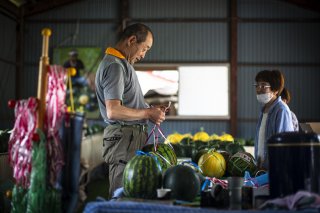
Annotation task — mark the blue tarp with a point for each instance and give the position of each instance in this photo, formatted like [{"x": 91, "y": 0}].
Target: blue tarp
[{"x": 142, "y": 207}]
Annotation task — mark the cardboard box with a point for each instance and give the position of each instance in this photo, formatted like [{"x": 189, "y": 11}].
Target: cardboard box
[
  {"x": 310, "y": 127},
  {"x": 315, "y": 127}
]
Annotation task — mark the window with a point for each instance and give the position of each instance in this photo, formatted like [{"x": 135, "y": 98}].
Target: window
[{"x": 194, "y": 90}]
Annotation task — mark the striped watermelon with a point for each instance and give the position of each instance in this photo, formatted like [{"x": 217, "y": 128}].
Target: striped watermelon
[
  {"x": 141, "y": 177},
  {"x": 166, "y": 155},
  {"x": 241, "y": 162}
]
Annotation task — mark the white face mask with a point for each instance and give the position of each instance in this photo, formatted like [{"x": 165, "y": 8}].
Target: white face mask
[{"x": 264, "y": 98}]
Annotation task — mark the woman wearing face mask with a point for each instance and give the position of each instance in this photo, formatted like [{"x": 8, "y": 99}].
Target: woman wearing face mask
[{"x": 275, "y": 116}]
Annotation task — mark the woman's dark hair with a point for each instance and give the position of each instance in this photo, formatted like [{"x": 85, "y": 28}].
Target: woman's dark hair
[
  {"x": 285, "y": 95},
  {"x": 139, "y": 30},
  {"x": 273, "y": 77}
]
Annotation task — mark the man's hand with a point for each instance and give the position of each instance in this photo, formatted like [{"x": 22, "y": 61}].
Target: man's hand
[
  {"x": 156, "y": 115},
  {"x": 115, "y": 111}
]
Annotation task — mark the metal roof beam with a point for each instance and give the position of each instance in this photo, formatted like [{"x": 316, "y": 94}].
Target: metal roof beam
[
  {"x": 8, "y": 9},
  {"x": 45, "y": 5},
  {"x": 313, "y": 5}
]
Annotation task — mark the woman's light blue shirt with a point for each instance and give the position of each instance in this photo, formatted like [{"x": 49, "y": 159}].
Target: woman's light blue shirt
[{"x": 279, "y": 120}]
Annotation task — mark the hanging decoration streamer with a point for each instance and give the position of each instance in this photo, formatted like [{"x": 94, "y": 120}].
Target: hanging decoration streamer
[
  {"x": 20, "y": 142},
  {"x": 55, "y": 110}
]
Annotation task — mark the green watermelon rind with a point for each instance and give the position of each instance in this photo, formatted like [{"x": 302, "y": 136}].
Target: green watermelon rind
[
  {"x": 236, "y": 168},
  {"x": 165, "y": 154},
  {"x": 141, "y": 177}
]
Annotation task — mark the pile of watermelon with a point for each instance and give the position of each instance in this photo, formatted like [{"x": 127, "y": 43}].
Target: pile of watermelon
[
  {"x": 213, "y": 153},
  {"x": 188, "y": 145},
  {"x": 214, "y": 156}
]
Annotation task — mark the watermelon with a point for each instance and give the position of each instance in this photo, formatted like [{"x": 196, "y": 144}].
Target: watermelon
[
  {"x": 190, "y": 151},
  {"x": 166, "y": 155},
  {"x": 240, "y": 141},
  {"x": 226, "y": 156},
  {"x": 200, "y": 144},
  {"x": 199, "y": 154},
  {"x": 241, "y": 162},
  {"x": 179, "y": 150},
  {"x": 141, "y": 177},
  {"x": 195, "y": 168},
  {"x": 221, "y": 145},
  {"x": 187, "y": 141},
  {"x": 233, "y": 148},
  {"x": 184, "y": 151},
  {"x": 183, "y": 182},
  {"x": 214, "y": 144}
]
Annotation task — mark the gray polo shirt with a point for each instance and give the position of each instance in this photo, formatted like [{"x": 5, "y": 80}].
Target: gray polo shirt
[{"x": 116, "y": 79}]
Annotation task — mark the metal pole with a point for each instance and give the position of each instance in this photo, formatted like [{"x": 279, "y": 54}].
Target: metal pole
[{"x": 43, "y": 77}]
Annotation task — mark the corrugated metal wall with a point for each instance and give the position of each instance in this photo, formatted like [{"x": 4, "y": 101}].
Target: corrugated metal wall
[
  {"x": 83, "y": 9},
  {"x": 189, "y": 42},
  {"x": 178, "y": 9},
  {"x": 278, "y": 43},
  {"x": 272, "y": 9},
  {"x": 7, "y": 69},
  {"x": 261, "y": 45},
  {"x": 289, "y": 45},
  {"x": 185, "y": 41}
]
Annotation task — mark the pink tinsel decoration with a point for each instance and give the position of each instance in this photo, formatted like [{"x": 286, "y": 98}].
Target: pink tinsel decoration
[
  {"x": 20, "y": 142},
  {"x": 56, "y": 108}
]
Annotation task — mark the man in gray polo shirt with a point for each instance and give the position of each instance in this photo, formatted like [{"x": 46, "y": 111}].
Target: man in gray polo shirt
[{"x": 121, "y": 101}]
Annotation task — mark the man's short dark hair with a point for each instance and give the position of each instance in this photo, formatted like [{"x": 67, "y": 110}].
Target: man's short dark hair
[{"x": 139, "y": 30}]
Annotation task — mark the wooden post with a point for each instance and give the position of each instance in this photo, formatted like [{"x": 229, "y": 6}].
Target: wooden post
[
  {"x": 43, "y": 77},
  {"x": 234, "y": 66}
]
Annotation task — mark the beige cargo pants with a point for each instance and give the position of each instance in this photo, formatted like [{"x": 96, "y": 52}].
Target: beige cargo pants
[{"x": 120, "y": 142}]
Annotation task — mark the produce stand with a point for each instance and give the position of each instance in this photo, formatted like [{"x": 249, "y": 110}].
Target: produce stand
[
  {"x": 248, "y": 192},
  {"x": 170, "y": 164}
]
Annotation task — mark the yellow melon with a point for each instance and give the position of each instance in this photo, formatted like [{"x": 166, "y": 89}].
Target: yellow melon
[
  {"x": 212, "y": 164},
  {"x": 83, "y": 99},
  {"x": 226, "y": 137},
  {"x": 174, "y": 138},
  {"x": 201, "y": 136}
]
